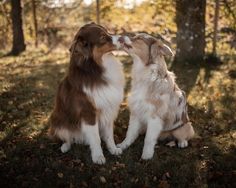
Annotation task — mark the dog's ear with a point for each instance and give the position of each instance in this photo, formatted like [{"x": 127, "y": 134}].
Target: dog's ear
[
  {"x": 72, "y": 47},
  {"x": 159, "y": 48},
  {"x": 79, "y": 51}
]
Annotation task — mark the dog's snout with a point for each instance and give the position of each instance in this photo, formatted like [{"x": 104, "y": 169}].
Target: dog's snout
[
  {"x": 127, "y": 42},
  {"x": 121, "y": 39}
]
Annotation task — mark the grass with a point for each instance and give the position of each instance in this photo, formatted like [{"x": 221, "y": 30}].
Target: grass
[{"x": 28, "y": 158}]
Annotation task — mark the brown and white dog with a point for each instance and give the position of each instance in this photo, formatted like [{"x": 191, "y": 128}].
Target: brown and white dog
[
  {"x": 88, "y": 98},
  {"x": 156, "y": 103}
]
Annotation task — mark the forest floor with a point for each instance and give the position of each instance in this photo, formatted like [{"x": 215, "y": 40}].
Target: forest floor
[{"x": 28, "y": 158}]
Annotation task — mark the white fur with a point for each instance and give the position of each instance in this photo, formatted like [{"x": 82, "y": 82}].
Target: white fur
[
  {"x": 183, "y": 144},
  {"x": 145, "y": 35},
  {"x": 136, "y": 100},
  {"x": 115, "y": 40},
  {"x": 154, "y": 128},
  {"x": 145, "y": 116},
  {"x": 107, "y": 100},
  {"x": 91, "y": 134},
  {"x": 65, "y": 147},
  {"x": 135, "y": 126},
  {"x": 141, "y": 116},
  {"x": 127, "y": 40}
]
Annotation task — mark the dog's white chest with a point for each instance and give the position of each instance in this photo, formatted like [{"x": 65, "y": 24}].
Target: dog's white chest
[
  {"x": 107, "y": 98},
  {"x": 138, "y": 103}
]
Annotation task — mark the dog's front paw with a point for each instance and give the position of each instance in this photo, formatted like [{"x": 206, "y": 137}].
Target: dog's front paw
[
  {"x": 100, "y": 159},
  {"x": 65, "y": 147},
  {"x": 116, "y": 151},
  {"x": 123, "y": 145},
  {"x": 183, "y": 144},
  {"x": 147, "y": 154}
]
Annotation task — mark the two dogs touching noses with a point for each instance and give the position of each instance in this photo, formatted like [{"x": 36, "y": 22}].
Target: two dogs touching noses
[{"x": 88, "y": 98}]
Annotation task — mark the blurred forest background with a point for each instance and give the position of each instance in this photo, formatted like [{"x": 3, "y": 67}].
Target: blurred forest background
[
  {"x": 53, "y": 23},
  {"x": 35, "y": 36}
]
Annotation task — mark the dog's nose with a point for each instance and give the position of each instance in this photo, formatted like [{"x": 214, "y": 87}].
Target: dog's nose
[{"x": 121, "y": 39}]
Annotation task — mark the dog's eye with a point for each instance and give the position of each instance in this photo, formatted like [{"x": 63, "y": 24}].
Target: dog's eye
[
  {"x": 103, "y": 37},
  {"x": 85, "y": 44}
]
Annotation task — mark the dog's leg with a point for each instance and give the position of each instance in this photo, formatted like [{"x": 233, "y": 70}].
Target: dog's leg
[
  {"x": 154, "y": 128},
  {"x": 91, "y": 134},
  {"x": 182, "y": 143},
  {"x": 65, "y": 147},
  {"x": 65, "y": 136},
  {"x": 183, "y": 134},
  {"x": 134, "y": 129},
  {"x": 108, "y": 137}
]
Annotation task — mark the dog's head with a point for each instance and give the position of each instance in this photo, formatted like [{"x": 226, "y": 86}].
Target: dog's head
[
  {"x": 145, "y": 46},
  {"x": 90, "y": 43}
]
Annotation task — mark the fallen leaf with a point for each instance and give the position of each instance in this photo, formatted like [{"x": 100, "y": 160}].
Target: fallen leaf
[
  {"x": 60, "y": 175},
  {"x": 163, "y": 184},
  {"x": 171, "y": 144},
  {"x": 84, "y": 184},
  {"x": 103, "y": 179}
]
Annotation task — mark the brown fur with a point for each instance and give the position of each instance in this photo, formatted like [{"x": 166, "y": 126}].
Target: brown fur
[
  {"x": 185, "y": 132},
  {"x": 72, "y": 106}
]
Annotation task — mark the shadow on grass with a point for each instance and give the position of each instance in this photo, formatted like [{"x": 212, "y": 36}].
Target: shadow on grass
[
  {"x": 187, "y": 73},
  {"x": 31, "y": 95},
  {"x": 38, "y": 162}
]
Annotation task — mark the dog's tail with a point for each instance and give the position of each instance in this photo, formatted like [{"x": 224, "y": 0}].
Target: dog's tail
[{"x": 185, "y": 132}]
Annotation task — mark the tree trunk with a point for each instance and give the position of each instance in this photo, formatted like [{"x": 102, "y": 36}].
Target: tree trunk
[
  {"x": 35, "y": 22},
  {"x": 18, "y": 35},
  {"x": 98, "y": 11},
  {"x": 190, "y": 20},
  {"x": 216, "y": 18}
]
